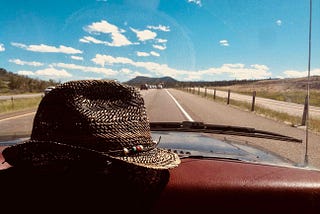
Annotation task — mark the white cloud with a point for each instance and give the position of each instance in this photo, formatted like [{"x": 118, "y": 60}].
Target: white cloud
[
  {"x": 260, "y": 67},
  {"x": 161, "y": 40},
  {"x": 26, "y": 73},
  {"x": 83, "y": 40},
  {"x": 110, "y": 60},
  {"x": 160, "y": 47},
  {"x": 132, "y": 74},
  {"x": 197, "y": 2},
  {"x": 233, "y": 66},
  {"x": 85, "y": 68},
  {"x": 238, "y": 71},
  {"x": 2, "y": 47},
  {"x": 126, "y": 70},
  {"x": 102, "y": 27},
  {"x": 224, "y": 42},
  {"x": 279, "y": 22},
  {"x": 80, "y": 58},
  {"x": 89, "y": 39},
  {"x": 18, "y": 45},
  {"x": 144, "y": 35},
  {"x": 153, "y": 53},
  {"x": 47, "y": 48},
  {"x": 48, "y": 72},
  {"x": 159, "y": 69},
  {"x": 118, "y": 39},
  {"x": 20, "y": 62},
  {"x": 53, "y": 72},
  {"x": 296, "y": 74},
  {"x": 145, "y": 54},
  {"x": 142, "y": 53},
  {"x": 160, "y": 27}
]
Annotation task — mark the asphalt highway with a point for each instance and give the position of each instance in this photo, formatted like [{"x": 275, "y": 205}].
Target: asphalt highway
[
  {"x": 174, "y": 105},
  {"x": 208, "y": 111}
]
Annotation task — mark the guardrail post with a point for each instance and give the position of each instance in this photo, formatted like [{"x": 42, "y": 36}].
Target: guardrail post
[
  {"x": 205, "y": 92},
  {"x": 12, "y": 103},
  {"x": 214, "y": 94},
  {"x": 198, "y": 90},
  {"x": 305, "y": 111},
  {"x": 253, "y": 100},
  {"x": 228, "y": 100}
]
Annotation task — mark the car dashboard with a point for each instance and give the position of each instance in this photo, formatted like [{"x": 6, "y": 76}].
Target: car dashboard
[
  {"x": 196, "y": 185},
  {"x": 223, "y": 185}
]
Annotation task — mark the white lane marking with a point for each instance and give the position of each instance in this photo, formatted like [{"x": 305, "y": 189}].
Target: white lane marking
[
  {"x": 15, "y": 117},
  {"x": 180, "y": 107}
]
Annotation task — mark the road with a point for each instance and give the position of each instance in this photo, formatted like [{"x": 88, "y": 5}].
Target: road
[
  {"x": 175, "y": 105},
  {"x": 280, "y": 106},
  {"x": 208, "y": 111},
  {"x": 161, "y": 107}
]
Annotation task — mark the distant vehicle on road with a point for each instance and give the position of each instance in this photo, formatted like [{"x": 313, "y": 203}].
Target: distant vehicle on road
[
  {"x": 144, "y": 87},
  {"x": 48, "y": 89},
  {"x": 159, "y": 86}
]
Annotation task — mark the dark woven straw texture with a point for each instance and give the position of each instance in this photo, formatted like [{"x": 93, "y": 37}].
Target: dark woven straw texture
[{"x": 91, "y": 118}]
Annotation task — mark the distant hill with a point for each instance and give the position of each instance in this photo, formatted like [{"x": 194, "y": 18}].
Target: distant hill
[
  {"x": 11, "y": 83},
  {"x": 166, "y": 81},
  {"x": 171, "y": 82},
  {"x": 281, "y": 84}
]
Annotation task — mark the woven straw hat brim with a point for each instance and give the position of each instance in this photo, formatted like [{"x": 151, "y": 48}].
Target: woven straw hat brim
[
  {"x": 156, "y": 158},
  {"x": 41, "y": 153}
]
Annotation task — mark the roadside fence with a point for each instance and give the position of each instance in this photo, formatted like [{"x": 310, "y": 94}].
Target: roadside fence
[{"x": 226, "y": 96}]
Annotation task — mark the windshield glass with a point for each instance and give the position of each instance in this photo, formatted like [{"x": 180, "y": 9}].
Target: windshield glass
[{"x": 225, "y": 62}]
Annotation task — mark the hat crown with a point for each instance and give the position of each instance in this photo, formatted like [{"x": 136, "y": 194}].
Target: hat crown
[{"x": 100, "y": 115}]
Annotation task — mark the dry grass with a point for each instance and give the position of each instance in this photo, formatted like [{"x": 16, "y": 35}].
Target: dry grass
[
  {"x": 293, "y": 96},
  {"x": 288, "y": 90},
  {"x": 19, "y": 104}
]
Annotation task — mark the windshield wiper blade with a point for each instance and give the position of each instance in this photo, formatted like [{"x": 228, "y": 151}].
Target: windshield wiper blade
[{"x": 188, "y": 126}]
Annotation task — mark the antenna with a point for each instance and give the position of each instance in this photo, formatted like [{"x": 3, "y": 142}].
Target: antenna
[{"x": 306, "y": 158}]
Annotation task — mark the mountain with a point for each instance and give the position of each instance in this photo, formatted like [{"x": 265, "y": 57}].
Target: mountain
[{"x": 140, "y": 80}]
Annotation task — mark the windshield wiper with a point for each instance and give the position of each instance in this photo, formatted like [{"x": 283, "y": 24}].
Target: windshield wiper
[{"x": 188, "y": 126}]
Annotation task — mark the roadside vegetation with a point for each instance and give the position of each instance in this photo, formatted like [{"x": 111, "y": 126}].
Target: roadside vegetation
[
  {"x": 11, "y": 83},
  {"x": 288, "y": 90},
  {"x": 294, "y": 96},
  {"x": 19, "y": 104}
]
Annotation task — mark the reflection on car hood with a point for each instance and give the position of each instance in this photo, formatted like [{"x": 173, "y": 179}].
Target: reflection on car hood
[
  {"x": 203, "y": 145},
  {"x": 188, "y": 144}
]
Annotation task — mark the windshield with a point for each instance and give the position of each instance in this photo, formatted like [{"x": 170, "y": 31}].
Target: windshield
[{"x": 251, "y": 64}]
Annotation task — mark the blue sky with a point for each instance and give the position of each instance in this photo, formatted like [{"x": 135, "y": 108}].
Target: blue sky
[{"x": 185, "y": 39}]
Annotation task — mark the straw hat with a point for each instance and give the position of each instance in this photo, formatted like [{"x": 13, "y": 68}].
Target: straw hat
[{"x": 91, "y": 121}]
